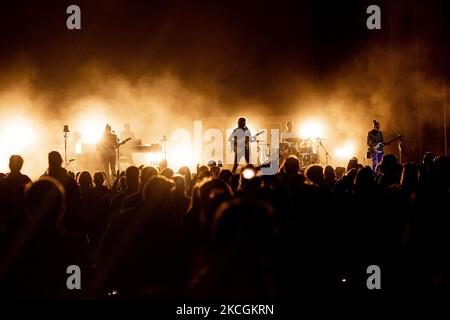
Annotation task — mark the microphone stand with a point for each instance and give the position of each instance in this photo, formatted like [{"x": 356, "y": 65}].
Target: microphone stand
[
  {"x": 327, "y": 155},
  {"x": 65, "y": 149},
  {"x": 258, "y": 151}
]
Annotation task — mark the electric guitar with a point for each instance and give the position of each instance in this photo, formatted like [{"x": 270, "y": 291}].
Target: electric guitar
[
  {"x": 122, "y": 142},
  {"x": 252, "y": 139},
  {"x": 378, "y": 147}
]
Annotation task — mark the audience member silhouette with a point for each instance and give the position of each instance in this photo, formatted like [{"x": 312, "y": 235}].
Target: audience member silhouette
[
  {"x": 12, "y": 192},
  {"x": 134, "y": 200},
  {"x": 85, "y": 184},
  {"x": 225, "y": 175},
  {"x": 129, "y": 186},
  {"x": 330, "y": 177},
  {"x": 167, "y": 172},
  {"x": 73, "y": 198}
]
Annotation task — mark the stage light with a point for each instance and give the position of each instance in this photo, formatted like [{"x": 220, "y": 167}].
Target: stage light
[
  {"x": 17, "y": 135},
  {"x": 78, "y": 148},
  {"x": 180, "y": 155},
  {"x": 154, "y": 158},
  {"x": 150, "y": 157},
  {"x": 312, "y": 129},
  {"x": 91, "y": 131},
  {"x": 248, "y": 173},
  {"x": 345, "y": 152}
]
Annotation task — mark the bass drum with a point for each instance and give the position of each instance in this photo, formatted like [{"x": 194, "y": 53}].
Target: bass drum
[
  {"x": 305, "y": 150},
  {"x": 308, "y": 159}
]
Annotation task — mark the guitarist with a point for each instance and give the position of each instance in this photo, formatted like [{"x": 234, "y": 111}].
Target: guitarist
[
  {"x": 375, "y": 143},
  {"x": 107, "y": 148},
  {"x": 240, "y": 139}
]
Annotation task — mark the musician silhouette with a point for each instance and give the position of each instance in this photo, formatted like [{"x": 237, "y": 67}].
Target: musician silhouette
[
  {"x": 375, "y": 143},
  {"x": 107, "y": 148},
  {"x": 240, "y": 139},
  {"x": 288, "y": 135},
  {"x": 127, "y": 133}
]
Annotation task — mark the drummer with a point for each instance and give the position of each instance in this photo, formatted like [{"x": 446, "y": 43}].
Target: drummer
[{"x": 289, "y": 136}]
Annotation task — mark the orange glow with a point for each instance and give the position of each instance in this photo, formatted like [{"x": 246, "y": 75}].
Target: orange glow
[
  {"x": 180, "y": 155},
  {"x": 91, "y": 131},
  {"x": 17, "y": 135},
  {"x": 153, "y": 158},
  {"x": 312, "y": 129},
  {"x": 346, "y": 151}
]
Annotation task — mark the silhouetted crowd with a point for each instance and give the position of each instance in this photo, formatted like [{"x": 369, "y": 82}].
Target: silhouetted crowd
[{"x": 214, "y": 235}]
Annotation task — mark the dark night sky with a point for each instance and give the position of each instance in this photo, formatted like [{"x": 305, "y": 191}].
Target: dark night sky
[{"x": 252, "y": 49}]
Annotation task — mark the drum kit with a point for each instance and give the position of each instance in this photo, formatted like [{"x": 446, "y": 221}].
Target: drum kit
[{"x": 301, "y": 148}]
